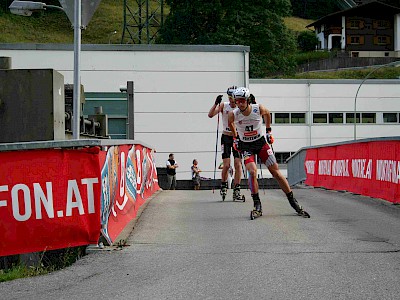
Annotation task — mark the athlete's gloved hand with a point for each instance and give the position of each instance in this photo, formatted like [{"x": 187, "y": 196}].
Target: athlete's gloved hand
[
  {"x": 270, "y": 138},
  {"x": 236, "y": 143},
  {"x": 218, "y": 100}
]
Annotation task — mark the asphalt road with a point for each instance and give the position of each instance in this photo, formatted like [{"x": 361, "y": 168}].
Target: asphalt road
[{"x": 191, "y": 245}]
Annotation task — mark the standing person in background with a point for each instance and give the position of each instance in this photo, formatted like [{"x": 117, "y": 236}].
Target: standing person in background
[
  {"x": 227, "y": 145},
  {"x": 246, "y": 123},
  {"x": 196, "y": 175},
  {"x": 171, "y": 171}
]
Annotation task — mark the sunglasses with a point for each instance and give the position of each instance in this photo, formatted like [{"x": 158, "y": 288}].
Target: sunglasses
[{"x": 242, "y": 100}]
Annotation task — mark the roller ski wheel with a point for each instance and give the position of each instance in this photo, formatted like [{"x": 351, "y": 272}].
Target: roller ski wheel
[
  {"x": 238, "y": 197},
  {"x": 303, "y": 214},
  {"x": 255, "y": 214},
  {"x": 223, "y": 193}
]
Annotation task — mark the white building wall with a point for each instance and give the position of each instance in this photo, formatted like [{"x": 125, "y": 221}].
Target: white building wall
[
  {"x": 397, "y": 33},
  {"x": 321, "y": 37},
  {"x": 176, "y": 86},
  {"x": 343, "y": 37},
  {"x": 327, "y": 96}
]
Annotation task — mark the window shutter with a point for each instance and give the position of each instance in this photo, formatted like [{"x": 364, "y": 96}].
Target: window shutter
[
  {"x": 375, "y": 24},
  {"x": 375, "y": 40},
  {"x": 388, "y": 40},
  {"x": 361, "y": 24},
  {"x": 361, "y": 40},
  {"x": 348, "y": 40}
]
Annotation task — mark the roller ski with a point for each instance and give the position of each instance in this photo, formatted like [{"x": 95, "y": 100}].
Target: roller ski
[
  {"x": 224, "y": 190},
  {"x": 297, "y": 207},
  {"x": 257, "y": 210},
  {"x": 236, "y": 194}
]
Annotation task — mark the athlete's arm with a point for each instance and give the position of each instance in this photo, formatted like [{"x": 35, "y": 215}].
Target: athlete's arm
[
  {"x": 231, "y": 123},
  {"x": 216, "y": 108},
  {"x": 266, "y": 116}
]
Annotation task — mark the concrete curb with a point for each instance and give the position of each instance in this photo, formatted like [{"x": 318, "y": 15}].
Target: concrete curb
[{"x": 122, "y": 238}]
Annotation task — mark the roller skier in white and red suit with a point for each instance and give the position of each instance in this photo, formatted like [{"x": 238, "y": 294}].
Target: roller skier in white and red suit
[
  {"x": 251, "y": 139},
  {"x": 224, "y": 108}
]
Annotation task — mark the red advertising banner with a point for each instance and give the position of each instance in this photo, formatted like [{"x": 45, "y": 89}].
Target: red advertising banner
[
  {"x": 49, "y": 199},
  {"x": 366, "y": 168},
  {"x": 129, "y": 177}
]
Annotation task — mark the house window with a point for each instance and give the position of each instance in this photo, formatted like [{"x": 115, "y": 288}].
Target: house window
[
  {"x": 320, "y": 118},
  {"x": 282, "y": 118},
  {"x": 298, "y": 118},
  {"x": 381, "y": 40},
  {"x": 336, "y": 118},
  {"x": 390, "y": 118},
  {"x": 354, "y": 24},
  {"x": 355, "y": 54},
  {"x": 381, "y": 24},
  {"x": 386, "y": 54},
  {"x": 355, "y": 40},
  {"x": 368, "y": 117},
  {"x": 350, "y": 117}
]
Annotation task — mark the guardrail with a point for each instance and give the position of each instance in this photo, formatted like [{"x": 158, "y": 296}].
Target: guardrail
[{"x": 370, "y": 167}]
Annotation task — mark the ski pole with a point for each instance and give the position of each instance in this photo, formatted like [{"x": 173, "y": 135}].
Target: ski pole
[
  {"x": 262, "y": 178},
  {"x": 244, "y": 173},
  {"x": 216, "y": 150}
]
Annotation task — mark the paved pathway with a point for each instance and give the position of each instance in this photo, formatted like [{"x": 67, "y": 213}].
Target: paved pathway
[{"x": 190, "y": 245}]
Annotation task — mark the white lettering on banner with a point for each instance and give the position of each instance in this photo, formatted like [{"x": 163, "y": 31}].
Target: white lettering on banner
[
  {"x": 71, "y": 191},
  {"x": 388, "y": 170},
  {"x": 89, "y": 182},
  {"x": 40, "y": 198},
  {"x": 21, "y": 202},
  {"x": 3, "y": 188},
  {"x": 15, "y": 202},
  {"x": 310, "y": 166},
  {"x": 361, "y": 168},
  {"x": 340, "y": 168},
  {"x": 324, "y": 167}
]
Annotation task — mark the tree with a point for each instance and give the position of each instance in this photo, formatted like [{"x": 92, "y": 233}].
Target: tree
[
  {"x": 256, "y": 23},
  {"x": 307, "y": 41}
]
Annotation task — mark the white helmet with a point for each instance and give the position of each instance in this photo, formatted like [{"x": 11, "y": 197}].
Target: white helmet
[
  {"x": 231, "y": 90},
  {"x": 241, "y": 92}
]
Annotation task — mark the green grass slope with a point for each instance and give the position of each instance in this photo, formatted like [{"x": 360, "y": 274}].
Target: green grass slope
[{"x": 54, "y": 26}]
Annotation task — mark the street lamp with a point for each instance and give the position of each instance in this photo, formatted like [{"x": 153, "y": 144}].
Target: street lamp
[
  {"x": 355, "y": 99},
  {"x": 26, "y": 8}
]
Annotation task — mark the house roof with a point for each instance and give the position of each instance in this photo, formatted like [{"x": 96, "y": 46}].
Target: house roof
[{"x": 374, "y": 6}]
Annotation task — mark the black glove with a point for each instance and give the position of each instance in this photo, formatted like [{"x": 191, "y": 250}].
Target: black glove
[{"x": 218, "y": 100}]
